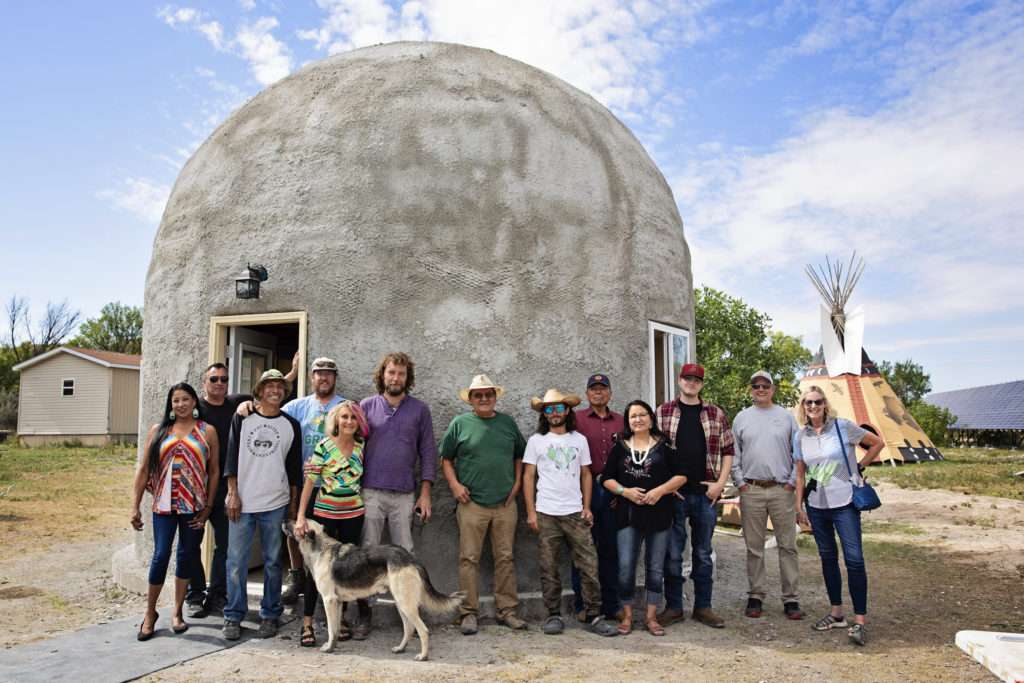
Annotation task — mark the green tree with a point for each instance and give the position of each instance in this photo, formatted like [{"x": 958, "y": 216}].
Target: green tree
[
  {"x": 733, "y": 341},
  {"x": 934, "y": 420},
  {"x": 908, "y": 379},
  {"x": 119, "y": 328}
]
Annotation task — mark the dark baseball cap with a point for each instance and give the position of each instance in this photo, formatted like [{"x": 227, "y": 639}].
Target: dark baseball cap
[{"x": 599, "y": 379}]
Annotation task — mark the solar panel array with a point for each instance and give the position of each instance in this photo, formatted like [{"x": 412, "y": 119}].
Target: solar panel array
[{"x": 996, "y": 406}]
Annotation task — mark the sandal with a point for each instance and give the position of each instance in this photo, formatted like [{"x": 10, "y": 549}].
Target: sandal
[
  {"x": 625, "y": 627},
  {"x": 344, "y": 631},
  {"x": 306, "y": 636},
  {"x": 654, "y": 628}
]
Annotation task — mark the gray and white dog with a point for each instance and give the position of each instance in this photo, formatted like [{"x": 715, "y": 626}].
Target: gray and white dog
[{"x": 343, "y": 571}]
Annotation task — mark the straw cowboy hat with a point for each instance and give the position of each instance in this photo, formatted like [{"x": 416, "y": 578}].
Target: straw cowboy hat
[
  {"x": 268, "y": 376},
  {"x": 482, "y": 382},
  {"x": 554, "y": 396}
]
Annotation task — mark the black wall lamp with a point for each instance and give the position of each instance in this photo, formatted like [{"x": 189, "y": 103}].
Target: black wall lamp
[{"x": 247, "y": 285}]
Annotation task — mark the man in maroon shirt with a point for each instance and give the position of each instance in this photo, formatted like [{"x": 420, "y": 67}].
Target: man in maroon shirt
[{"x": 601, "y": 427}]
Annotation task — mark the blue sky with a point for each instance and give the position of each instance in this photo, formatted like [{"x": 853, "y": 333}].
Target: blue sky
[{"x": 787, "y": 131}]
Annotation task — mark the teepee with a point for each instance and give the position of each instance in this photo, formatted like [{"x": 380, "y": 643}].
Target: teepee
[{"x": 849, "y": 378}]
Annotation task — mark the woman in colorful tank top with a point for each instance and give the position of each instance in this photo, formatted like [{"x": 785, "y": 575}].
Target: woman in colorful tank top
[
  {"x": 338, "y": 462},
  {"x": 824, "y": 492},
  {"x": 176, "y": 467}
]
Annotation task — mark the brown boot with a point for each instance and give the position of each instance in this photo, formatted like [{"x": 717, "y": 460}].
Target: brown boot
[
  {"x": 365, "y": 623},
  {"x": 708, "y": 618},
  {"x": 670, "y": 616}
]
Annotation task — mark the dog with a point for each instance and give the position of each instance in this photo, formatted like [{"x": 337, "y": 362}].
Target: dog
[{"x": 343, "y": 571}]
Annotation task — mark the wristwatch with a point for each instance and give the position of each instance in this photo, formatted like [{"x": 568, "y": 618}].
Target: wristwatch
[{"x": 619, "y": 491}]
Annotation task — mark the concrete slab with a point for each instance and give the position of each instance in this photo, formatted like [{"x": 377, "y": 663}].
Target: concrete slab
[
  {"x": 1002, "y": 653},
  {"x": 110, "y": 652}
]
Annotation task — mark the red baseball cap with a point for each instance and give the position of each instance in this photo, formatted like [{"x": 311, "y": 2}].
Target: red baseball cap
[{"x": 692, "y": 369}]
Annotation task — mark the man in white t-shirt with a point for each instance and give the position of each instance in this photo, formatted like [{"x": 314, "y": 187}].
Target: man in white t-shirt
[{"x": 558, "y": 507}]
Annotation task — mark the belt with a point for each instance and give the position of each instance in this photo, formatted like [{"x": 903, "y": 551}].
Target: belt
[{"x": 765, "y": 484}]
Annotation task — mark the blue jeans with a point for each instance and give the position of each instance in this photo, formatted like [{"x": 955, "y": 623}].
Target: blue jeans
[
  {"x": 164, "y": 527},
  {"x": 845, "y": 521},
  {"x": 703, "y": 515},
  {"x": 655, "y": 546},
  {"x": 604, "y": 535},
  {"x": 239, "y": 550},
  {"x": 197, "y": 586}
]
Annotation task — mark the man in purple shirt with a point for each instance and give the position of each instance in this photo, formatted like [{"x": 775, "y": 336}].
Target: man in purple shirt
[
  {"x": 402, "y": 432},
  {"x": 601, "y": 427}
]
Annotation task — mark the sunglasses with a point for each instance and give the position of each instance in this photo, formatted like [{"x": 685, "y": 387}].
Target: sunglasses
[
  {"x": 213, "y": 379},
  {"x": 489, "y": 394},
  {"x": 760, "y": 386},
  {"x": 814, "y": 401},
  {"x": 560, "y": 408}
]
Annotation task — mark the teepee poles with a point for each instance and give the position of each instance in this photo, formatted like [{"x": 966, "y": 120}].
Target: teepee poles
[{"x": 835, "y": 288}]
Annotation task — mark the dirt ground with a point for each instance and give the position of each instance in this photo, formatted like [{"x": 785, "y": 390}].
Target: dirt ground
[{"x": 938, "y": 563}]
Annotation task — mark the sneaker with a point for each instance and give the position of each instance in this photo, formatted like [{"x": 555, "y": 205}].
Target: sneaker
[
  {"x": 294, "y": 584},
  {"x": 601, "y": 627},
  {"x": 828, "y": 621},
  {"x": 363, "y": 627},
  {"x": 232, "y": 630},
  {"x": 554, "y": 625},
  {"x": 513, "y": 622},
  {"x": 268, "y": 628},
  {"x": 792, "y": 610},
  {"x": 196, "y": 610},
  {"x": 754, "y": 608},
  {"x": 215, "y": 603},
  {"x": 858, "y": 634},
  {"x": 468, "y": 626}
]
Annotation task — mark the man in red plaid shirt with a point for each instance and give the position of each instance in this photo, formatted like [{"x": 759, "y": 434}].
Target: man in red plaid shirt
[{"x": 700, "y": 432}]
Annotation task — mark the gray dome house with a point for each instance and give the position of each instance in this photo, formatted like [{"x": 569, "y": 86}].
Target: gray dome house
[{"x": 442, "y": 200}]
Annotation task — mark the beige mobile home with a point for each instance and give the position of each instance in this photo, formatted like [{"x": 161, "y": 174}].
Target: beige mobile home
[{"x": 75, "y": 394}]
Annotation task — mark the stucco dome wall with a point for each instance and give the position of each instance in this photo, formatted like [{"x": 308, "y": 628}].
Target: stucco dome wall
[{"x": 476, "y": 212}]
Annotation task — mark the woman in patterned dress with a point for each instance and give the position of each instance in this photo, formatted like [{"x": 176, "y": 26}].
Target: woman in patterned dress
[
  {"x": 176, "y": 467},
  {"x": 338, "y": 462}
]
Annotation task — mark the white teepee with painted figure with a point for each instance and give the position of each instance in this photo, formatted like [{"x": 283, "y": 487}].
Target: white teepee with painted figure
[{"x": 850, "y": 380}]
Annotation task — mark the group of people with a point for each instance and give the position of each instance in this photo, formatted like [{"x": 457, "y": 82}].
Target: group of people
[{"x": 603, "y": 483}]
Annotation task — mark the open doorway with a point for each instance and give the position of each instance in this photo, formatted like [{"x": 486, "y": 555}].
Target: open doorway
[
  {"x": 669, "y": 351},
  {"x": 252, "y": 344}
]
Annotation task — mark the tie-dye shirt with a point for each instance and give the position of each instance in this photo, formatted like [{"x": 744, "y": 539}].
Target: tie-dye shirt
[
  {"x": 180, "y": 484},
  {"x": 339, "y": 496},
  {"x": 558, "y": 458}
]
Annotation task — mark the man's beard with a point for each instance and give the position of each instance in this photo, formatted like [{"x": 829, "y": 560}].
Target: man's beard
[{"x": 394, "y": 390}]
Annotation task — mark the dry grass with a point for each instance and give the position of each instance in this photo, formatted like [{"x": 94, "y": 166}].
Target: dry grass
[
  {"x": 76, "y": 492},
  {"x": 976, "y": 471}
]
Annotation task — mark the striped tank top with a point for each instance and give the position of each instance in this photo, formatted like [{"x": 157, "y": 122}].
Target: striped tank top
[
  {"x": 340, "y": 477},
  {"x": 180, "y": 484}
]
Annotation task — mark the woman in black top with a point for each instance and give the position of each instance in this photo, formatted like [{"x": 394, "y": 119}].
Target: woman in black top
[{"x": 643, "y": 471}]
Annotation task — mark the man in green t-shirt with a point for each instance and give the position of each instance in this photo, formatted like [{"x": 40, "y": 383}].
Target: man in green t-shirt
[{"x": 482, "y": 459}]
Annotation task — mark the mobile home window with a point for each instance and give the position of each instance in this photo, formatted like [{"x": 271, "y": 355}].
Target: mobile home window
[{"x": 67, "y": 387}]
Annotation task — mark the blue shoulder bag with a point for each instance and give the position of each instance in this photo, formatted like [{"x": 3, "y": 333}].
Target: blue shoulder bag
[{"x": 864, "y": 496}]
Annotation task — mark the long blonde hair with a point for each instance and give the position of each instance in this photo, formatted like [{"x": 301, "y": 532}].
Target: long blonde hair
[
  {"x": 362, "y": 433},
  {"x": 801, "y": 413}
]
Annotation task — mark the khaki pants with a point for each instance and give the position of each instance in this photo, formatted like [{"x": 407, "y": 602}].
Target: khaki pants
[
  {"x": 474, "y": 523},
  {"x": 756, "y": 506},
  {"x": 576, "y": 532}
]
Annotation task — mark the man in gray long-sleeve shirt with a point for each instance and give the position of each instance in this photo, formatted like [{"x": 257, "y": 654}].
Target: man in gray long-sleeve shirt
[
  {"x": 765, "y": 473},
  {"x": 402, "y": 433}
]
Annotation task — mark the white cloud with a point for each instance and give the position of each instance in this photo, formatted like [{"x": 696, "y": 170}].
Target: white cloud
[
  {"x": 269, "y": 59},
  {"x": 609, "y": 48},
  {"x": 923, "y": 187},
  {"x": 142, "y": 197}
]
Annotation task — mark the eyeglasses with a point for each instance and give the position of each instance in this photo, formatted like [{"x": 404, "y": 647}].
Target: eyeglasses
[
  {"x": 641, "y": 416},
  {"x": 761, "y": 386},
  {"x": 213, "y": 379},
  {"x": 489, "y": 394},
  {"x": 814, "y": 401},
  {"x": 560, "y": 408}
]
